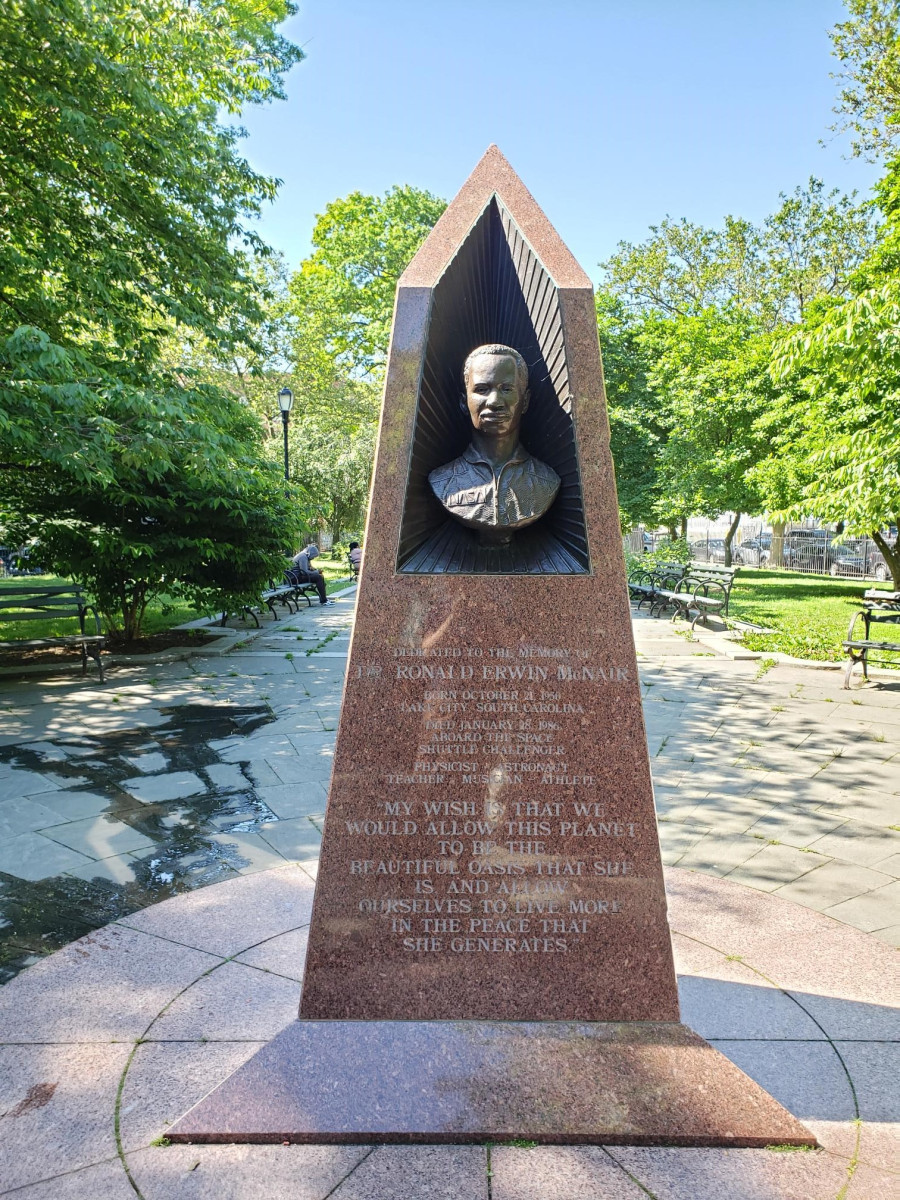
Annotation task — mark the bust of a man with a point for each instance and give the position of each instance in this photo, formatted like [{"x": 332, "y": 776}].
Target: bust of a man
[{"x": 495, "y": 486}]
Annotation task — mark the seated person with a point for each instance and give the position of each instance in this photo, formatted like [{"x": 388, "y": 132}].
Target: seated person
[
  {"x": 304, "y": 572},
  {"x": 355, "y": 556}
]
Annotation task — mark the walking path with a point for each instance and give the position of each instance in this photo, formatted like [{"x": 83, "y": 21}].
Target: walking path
[
  {"x": 183, "y": 774},
  {"x": 214, "y": 771}
]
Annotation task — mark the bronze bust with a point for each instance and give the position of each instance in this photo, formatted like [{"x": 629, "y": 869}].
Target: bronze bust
[{"x": 495, "y": 486}]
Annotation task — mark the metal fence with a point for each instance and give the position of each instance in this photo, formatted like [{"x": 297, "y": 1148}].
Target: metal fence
[{"x": 804, "y": 549}]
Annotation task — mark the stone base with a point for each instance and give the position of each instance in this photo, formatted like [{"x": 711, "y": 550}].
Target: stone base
[{"x": 564, "y": 1082}]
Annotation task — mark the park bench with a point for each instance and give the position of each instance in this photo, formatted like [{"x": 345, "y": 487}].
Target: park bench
[
  {"x": 647, "y": 583},
  {"x": 298, "y": 592},
  {"x": 704, "y": 591},
  {"x": 286, "y": 594},
  {"x": 53, "y": 602},
  {"x": 880, "y": 608}
]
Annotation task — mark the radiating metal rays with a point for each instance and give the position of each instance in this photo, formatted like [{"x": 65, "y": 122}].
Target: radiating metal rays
[{"x": 494, "y": 290}]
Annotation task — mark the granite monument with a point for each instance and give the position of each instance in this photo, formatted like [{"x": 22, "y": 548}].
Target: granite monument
[{"x": 489, "y": 956}]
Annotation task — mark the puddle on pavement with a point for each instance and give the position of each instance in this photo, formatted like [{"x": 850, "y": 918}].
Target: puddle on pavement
[{"x": 38, "y": 918}]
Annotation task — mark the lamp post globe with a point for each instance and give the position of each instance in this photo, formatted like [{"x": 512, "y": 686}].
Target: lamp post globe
[{"x": 285, "y": 403}]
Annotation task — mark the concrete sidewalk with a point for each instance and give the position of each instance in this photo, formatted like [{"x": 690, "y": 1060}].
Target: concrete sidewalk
[
  {"x": 211, "y": 771},
  {"x": 113, "y": 1038},
  {"x": 182, "y": 774}
]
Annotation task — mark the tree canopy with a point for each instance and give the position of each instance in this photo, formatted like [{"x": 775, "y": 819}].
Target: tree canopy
[
  {"x": 344, "y": 292},
  {"x": 846, "y": 364},
  {"x": 125, "y": 211},
  {"x": 337, "y": 315},
  {"x": 706, "y": 307},
  {"x": 123, "y": 200},
  {"x": 868, "y": 47}
]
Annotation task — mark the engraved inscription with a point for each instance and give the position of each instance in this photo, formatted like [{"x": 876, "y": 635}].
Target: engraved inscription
[{"x": 526, "y": 855}]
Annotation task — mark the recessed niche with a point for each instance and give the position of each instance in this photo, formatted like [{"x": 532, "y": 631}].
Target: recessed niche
[{"x": 494, "y": 290}]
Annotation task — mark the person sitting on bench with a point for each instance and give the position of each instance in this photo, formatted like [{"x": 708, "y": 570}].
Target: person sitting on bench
[
  {"x": 355, "y": 556},
  {"x": 304, "y": 572}
]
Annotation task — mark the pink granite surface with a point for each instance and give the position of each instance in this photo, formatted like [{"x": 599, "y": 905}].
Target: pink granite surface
[
  {"x": 490, "y": 848},
  {"x": 493, "y": 176},
  {"x": 640, "y": 1084}
]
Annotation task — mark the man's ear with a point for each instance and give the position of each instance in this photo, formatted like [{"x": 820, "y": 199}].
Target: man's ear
[
  {"x": 464, "y": 403},
  {"x": 526, "y": 400}
]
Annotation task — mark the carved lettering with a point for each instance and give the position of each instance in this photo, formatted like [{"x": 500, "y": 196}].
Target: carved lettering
[{"x": 496, "y": 883}]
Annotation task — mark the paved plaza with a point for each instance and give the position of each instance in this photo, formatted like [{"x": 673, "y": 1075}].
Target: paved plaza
[
  {"x": 188, "y": 773},
  {"x": 778, "y": 800}
]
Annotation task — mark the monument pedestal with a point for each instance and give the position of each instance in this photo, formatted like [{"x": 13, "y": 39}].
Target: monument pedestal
[{"x": 640, "y": 1083}]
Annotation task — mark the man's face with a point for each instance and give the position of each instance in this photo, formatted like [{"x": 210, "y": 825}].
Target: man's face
[{"x": 492, "y": 395}]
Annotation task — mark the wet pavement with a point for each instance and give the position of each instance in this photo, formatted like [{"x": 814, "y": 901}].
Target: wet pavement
[
  {"x": 173, "y": 776},
  {"x": 181, "y": 774}
]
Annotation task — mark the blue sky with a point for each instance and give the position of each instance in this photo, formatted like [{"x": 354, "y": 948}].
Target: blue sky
[{"x": 614, "y": 112}]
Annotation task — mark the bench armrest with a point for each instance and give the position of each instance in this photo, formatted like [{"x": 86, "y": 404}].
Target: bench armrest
[
  {"x": 83, "y": 610},
  {"x": 703, "y": 586}
]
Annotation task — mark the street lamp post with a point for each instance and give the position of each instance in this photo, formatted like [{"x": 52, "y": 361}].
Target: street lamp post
[{"x": 285, "y": 403}]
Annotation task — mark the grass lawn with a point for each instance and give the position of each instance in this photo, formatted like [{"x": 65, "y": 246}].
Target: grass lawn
[
  {"x": 809, "y": 613},
  {"x": 337, "y": 573},
  {"x": 162, "y": 614}
]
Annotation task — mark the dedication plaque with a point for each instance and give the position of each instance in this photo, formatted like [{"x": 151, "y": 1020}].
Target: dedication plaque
[{"x": 489, "y": 956}]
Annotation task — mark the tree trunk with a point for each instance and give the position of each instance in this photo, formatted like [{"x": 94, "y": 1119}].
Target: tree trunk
[
  {"x": 776, "y": 554},
  {"x": 134, "y": 607},
  {"x": 729, "y": 537},
  {"x": 891, "y": 555},
  {"x": 673, "y": 536},
  {"x": 684, "y": 529}
]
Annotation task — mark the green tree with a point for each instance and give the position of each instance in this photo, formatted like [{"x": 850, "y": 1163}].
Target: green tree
[
  {"x": 125, "y": 213},
  {"x": 709, "y": 302},
  {"x": 186, "y": 502},
  {"x": 845, "y": 361},
  {"x": 340, "y": 305},
  {"x": 868, "y": 46},
  {"x": 343, "y": 294},
  {"x": 256, "y": 360},
  {"x": 123, "y": 200},
  {"x": 636, "y": 427},
  {"x": 712, "y": 369},
  {"x": 808, "y": 247},
  {"x": 333, "y": 469}
]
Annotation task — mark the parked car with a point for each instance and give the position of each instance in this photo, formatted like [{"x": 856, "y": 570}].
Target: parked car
[
  {"x": 848, "y": 559},
  {"x": 859, "y": 558},
  {"x": 21, "y": 560},
  {"x": 808, "y": 550},
  {"x": 758, "y": 549},
  {"x": 712, "y": 550},
  {"x": 875, "y": 564}
]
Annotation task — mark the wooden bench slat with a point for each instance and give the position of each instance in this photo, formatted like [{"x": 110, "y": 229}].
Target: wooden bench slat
[
  {"x": 51, "y": 603},
  {"x": 42, "y": 601},
  {"x": 73, "y": 639},
  {"x": 40, "y": 615},
  {"x": 51, "y": 589}
]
